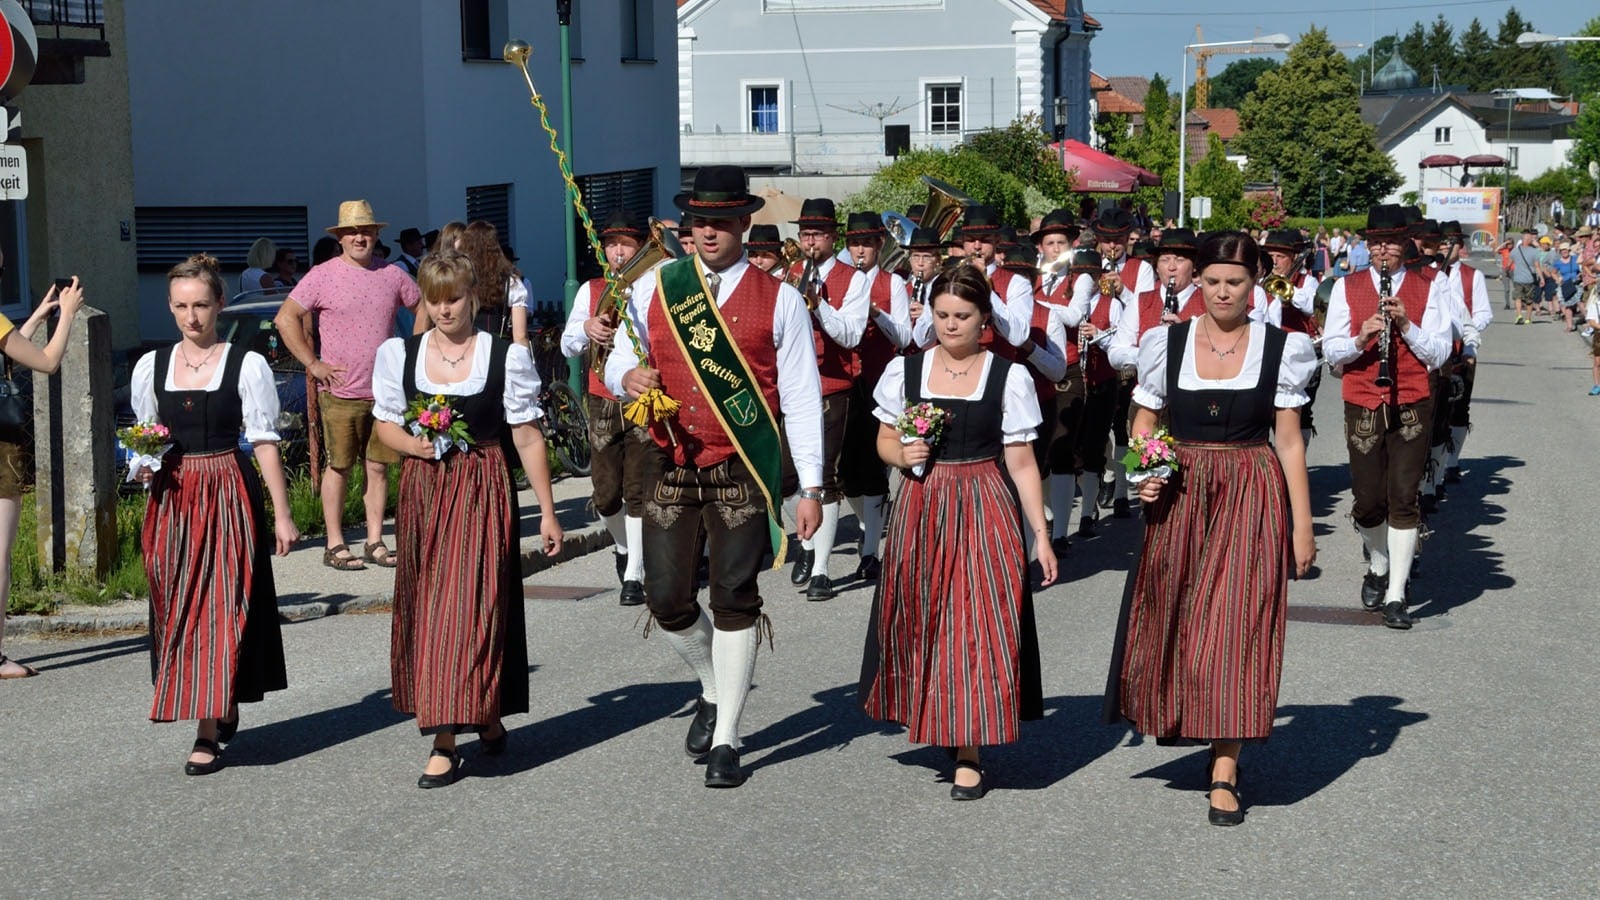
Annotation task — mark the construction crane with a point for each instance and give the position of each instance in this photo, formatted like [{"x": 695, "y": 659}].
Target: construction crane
[{"x": 1202, "y": 84}]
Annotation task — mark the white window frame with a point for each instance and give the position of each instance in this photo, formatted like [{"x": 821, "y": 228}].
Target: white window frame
[
  {"x": 926, "y": 84},
  {"x": 1441, "y": 135},
  {"x": 745, "y": 84}
]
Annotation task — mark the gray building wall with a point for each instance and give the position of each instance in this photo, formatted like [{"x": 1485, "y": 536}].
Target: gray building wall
[{"x": 300, "y": 102}]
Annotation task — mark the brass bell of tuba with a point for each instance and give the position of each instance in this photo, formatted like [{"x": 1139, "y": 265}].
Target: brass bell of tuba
[{"x": 659, "y": 246}]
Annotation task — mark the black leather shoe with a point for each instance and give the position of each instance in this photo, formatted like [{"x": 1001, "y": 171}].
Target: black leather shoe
[
  {"x": 446, "y": 778},
  {"x": 1119, "y": 508},
  {"x": 1107, "y": 490},
  {"x": 1061, "y": 546},
  {"x": 495, "y": 746},
  {"x": 205, "y": 768},
  {"x": 1086, "y": 528},
  {"x": 1452, "y": 475},
  {"x": 1218, "y": 816},
  {"x": 1395, "y": 616},
  {"x": 701, "y": 724},
  {"x": 802, "y": 567},
  {"x": 821, "y": 588},
  {"x": 722, "y": 768},
  {"x": 869, "y": 570},
  {"x": 622, "y": 563},
  {"x": 1373, "y": 587},
  {"x": 976, "y": 792},
  {"x": 1429, "y": 504},
  {"x": 632, "y": 594}
]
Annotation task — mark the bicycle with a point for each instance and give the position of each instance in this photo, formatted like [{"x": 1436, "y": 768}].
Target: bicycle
[{"x": 565, "y": 423}]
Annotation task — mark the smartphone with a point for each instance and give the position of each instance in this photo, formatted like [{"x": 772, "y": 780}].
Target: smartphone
[{"x": 62, "y": 284}]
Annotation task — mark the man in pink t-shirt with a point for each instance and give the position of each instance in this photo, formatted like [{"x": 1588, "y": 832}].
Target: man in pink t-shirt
[{"x": 354, "y": 298}]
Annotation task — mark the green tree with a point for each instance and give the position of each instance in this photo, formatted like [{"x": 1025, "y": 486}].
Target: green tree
[
  {"x": 1516, "y": 66},
  {"x": 1585, "y": 134},
  {"x": 898, "y": 186},
  {"x": 1230, "y": 86},
  {"x": 1023, "y": 149},
  {"x": 1362, "y": 67},
  {"x": 1215, "y": 176},
  {"x": 1155, "y": 147},
  {"x": 1303, "y": 121},
  {"x": 1584, "y": 63},
  {"x": 1474, "y": 59},
  {"x": 1439, "y": 53},
  {"x": 1414, "y": 50}
]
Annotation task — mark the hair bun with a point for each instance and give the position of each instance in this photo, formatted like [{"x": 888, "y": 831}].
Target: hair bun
[{"x": 205, "y": 261}]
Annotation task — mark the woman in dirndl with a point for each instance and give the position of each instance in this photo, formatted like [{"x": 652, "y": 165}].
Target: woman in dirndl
[
  {"x": 1199, "y": 643},
  {"x": 952, "y": 652},
  {"x": 459, "y": 655},
  {"x": 214, "y": 639}
]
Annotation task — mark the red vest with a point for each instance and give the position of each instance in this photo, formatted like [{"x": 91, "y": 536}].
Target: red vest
[
  {"x": 701, "y": 441},
  {"x": 1467, "y": 273},
  {"x": 1000, "y": 281},
  {"x": 1195, "y": 305},
  {"x": 1293, "y": 319},
  {"x": 1152, "y": 306},
  {"x": 597, "y": 290},
  {"x": 1130, "y": 273},
  {"x": 1410, "y": 375},
  {"x": 1098, "y": 370},
  {"x": 835, "y": 364},
  {"x": 876, "y": 350}
]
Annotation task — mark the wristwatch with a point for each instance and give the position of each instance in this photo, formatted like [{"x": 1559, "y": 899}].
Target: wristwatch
[{"x": 811, "y": 494}]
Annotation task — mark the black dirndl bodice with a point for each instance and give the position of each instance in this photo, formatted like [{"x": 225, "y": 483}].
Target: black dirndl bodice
[
  {"x": 1222, "y": 415},
  {"x": 201, "y": 421},
  {"x": 485, "y": 410},
  {"x": 974, "y": 429}
]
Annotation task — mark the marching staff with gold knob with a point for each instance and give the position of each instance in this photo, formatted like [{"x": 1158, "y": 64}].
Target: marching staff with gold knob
[
  {"x": 837, "y": 295},
  {"x": 736, "y": 345},
  {"x": 1386, "y": 425}
]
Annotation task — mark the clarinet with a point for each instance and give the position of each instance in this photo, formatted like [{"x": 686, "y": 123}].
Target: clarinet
[
  {"x": 1172, "y": 295},
  {"x": 1386, "y": 339}
]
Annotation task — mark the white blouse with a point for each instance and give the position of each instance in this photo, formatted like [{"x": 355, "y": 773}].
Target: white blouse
[
  {"x": 1019, "y": 419},
  {"x": 1294, "y": 372},
  {"x": 258, "y": 392},
  {"x": 520, "y": 397}
]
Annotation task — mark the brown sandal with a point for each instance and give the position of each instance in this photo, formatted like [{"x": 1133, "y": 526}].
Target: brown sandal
[
  {"x": 27, "y": 670},
  {"x": 386, "y": 560},
  {"x": 345, "y": 563}
]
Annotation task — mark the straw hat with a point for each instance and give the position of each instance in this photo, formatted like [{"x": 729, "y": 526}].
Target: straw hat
[{"x": 355, "y": 214}]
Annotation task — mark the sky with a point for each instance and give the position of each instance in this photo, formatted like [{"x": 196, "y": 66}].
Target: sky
[{"x": 1142, "y": 37}]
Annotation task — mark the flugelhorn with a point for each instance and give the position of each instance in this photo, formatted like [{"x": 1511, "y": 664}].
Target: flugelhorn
[
  {"x": 1385, "y": 376},
  {"x": 1278, "y": 286},
  {"x": 659, "y": 246},
  {"x": 1110, "y": 284}
]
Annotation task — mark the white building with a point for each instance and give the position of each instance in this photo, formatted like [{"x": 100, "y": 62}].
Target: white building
[
  {"x": 257, "y": 119},
  {"x": 819, "y": 86}
]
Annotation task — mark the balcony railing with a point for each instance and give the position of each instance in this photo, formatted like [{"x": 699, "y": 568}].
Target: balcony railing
[{"x": 67, "y": 19}]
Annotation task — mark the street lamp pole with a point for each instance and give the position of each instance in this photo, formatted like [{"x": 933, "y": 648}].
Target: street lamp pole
[
  {"x": 1272, "y": 43},
  {"x": 569, "y": 288}
]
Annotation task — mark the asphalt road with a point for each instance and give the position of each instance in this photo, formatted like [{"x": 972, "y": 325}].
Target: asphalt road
[{"x": 1457, "y": 759}]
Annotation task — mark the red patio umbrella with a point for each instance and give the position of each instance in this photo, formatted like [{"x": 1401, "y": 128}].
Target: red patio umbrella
[
  {"x": 1439, "y": 161},
  {"x": 1101, "y": 172},
  {"x": 1486, "y": 160}
]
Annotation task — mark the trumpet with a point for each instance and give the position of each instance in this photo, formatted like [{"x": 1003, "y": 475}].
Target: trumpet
[
  {"x": 1171, "y": 302},
  {"x": 1278, "y": 286},
  {"x": 791, "y": 253},
  {"x": 1385, "y": 376},
  {"x": 806, "y": 282},
  {"x": 1110, "y": 284},
  {"x": 659, "y": 246}
]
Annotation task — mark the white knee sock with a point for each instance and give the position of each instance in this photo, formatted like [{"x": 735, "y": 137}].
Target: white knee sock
[
  {"x": 619, "y": 534},
  {"x": 1088, "y": 491},
  {"x": 822, "y": 541},
  {"x": 872, "y": 524},
  {"x": 1062, "y": 489},
  {"x": 1377, "y": 540},
  {"x": 635, "y": 570},
  {"x": 1402, "y": 549},
  {"x": 1121, "y": 473},
  {"x": 1458, "y": 439},
  {"x": 733, "y": 654},
  {"x": 695, "y": 645}
]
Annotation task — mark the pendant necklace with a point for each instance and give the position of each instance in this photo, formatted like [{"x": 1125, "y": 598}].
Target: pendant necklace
[
  {"x": 452, "y": 363},
  {"x": 196, "y": 367},
  {"x": 953, "y": 373},
  {"x": 1222, "y": 354}
]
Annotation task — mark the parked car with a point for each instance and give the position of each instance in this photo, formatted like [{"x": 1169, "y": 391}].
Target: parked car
[{"x": 248, "y": 326}]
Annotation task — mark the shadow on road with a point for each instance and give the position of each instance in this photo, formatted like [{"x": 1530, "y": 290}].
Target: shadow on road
[
  {"x": 1313, "y": 749},
  {"x": 832, "y": 724},
  {"x": 1459, "y": 563},
  {"x": 609, "y": 714},
  {"x": 279, "y": 742},
  {"x": 1068, "y": 738},
  {"x": 91, "y": 654}
]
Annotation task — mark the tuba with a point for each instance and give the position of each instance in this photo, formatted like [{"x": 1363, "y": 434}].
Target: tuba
[
  {"x": 661, "y": 245},
  {"x": 945, "y": 207},
  {"x": 894, "y": 253}
]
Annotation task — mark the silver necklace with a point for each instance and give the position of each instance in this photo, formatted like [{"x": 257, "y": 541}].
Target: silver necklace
[
  {"x": 953, "y": 373},
  {"x": 452, "y": 363},
  {"x": 196, "y": 367},
  {"x": 1221, "y": 354}
]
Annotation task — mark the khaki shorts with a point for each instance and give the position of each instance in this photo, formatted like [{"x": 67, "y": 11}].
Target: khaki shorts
[
  {"x": 10, "y": 470},
  {"x": 347, "y": 434}
]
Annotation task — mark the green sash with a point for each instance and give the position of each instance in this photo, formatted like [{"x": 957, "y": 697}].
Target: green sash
[{"x": 735, "y": 398}]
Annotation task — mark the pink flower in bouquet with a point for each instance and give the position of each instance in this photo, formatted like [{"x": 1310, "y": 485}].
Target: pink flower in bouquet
[
  {"x": 921, "y": 425},
  {"x": 442, "y": 417}
]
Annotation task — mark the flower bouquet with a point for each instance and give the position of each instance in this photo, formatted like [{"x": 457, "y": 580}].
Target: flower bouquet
[
  {"x": 921, "y": 422},
  {"x": 434, "y": 420},
  {"x": 148, "y": 442},
  {"x": 1151, "y": 456}
]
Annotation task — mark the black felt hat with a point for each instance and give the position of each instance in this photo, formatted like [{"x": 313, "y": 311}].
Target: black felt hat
[
  {"x": 1284, "y": 240},
  {"x": 916, "y": 211},
  {"x": 409, "y": 234},
  {"x": 981, "y": 220},
  {"x": 1086, "y": 260},
  {"x": 1006, "y": 240},
  {"x": 1386, "y": 220},
  {"x": 720, "y": 192},
  {"x": 1178, "y": 241},
  {"x": 1427, "y": 230},
  {"x": 925, "y": 239},
  {"x": 1451, "y": 230},
  {"x": 1145, "y": 249},
  {"x": 763, "y": 238},
  {"x": 1057, "y": 221},
  {"x": 622, "y": 223},
  {"x": 818, "y": 212},
  {"x": 864, "y": 224},
  {"x": 1113, "y": 223}
]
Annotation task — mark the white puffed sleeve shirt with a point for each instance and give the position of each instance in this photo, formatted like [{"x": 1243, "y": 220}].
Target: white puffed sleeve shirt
[
  {"x": 258, "y": 393},
  {"x": 520, "y": 397},
  {"x": 1294, "y": 371},
  {"x": 1019, "y": 418}
]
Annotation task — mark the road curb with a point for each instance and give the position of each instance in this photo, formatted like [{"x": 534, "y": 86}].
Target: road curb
[{"x": 578, "y": 543}]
